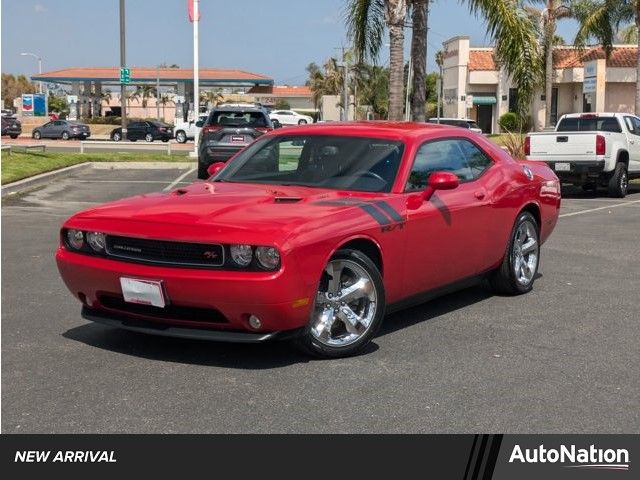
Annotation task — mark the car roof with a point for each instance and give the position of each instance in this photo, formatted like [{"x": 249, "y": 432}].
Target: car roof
[
  {"x": 435, "y": 119},
  {"x": 238, "y": 109},
  {"x": 366, "y": 128}
]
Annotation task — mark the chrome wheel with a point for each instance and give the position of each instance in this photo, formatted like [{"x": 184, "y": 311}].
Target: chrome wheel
[
  {"x": 346, "y": 304},
  {"x": 525, "y": 252}
]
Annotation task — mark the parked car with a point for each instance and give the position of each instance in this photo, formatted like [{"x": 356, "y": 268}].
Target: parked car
[
  {"x": 591, "y": 150},
  {"x": 289, "y": 117},
  {"x": 227, "y": 130},
  {"x": 458, "y": 122},
  {"x": 64, "y": 129},
  {"x": 312, "y": 234},
  {"x": 144, "y": 130},
  {"x": 11, "y": 126},
  {"x": 189, "y": 130}
]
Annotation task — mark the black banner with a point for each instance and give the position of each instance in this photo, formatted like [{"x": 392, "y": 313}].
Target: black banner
[{"x": 466, "y": 457}]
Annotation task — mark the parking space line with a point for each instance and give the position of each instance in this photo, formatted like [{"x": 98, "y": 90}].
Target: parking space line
[
  {"x": 179, "y": 179},
  {"x": 580, "y": 212}
]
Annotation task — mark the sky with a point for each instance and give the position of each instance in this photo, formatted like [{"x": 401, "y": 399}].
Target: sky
[{"x": 277, "y": 38}]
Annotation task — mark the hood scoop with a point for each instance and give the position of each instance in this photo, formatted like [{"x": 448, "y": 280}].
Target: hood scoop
[{"x": 287, "y": 199}]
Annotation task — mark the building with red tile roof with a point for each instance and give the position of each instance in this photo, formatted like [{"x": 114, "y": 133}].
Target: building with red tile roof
[{"x": 584, "y": 80}]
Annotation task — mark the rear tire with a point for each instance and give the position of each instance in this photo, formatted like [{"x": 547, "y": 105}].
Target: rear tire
[
  {"x": 302, "y": 122},
  {"x": 202, "y": 172},
  {"x": 181, "y": 137},
  {"x": 340, "y": 328},
  {"x": 116, "y": 136},
  {"x": 13, "y": 136},
  {"x": 519, "y": 267},
  {"x": 619, "y": 182}
]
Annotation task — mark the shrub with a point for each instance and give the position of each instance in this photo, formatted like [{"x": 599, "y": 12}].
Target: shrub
[
  {"x": 509, "y": 122},
  {"x": 514, "y": 143}
]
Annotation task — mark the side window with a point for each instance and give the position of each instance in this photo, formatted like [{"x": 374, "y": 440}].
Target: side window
[
  {"x": 455, "y": 155},
  {"x": 636, "y": 124},
  {"x": 477, "y": 160},
  {"x": 630, "y": 125}
]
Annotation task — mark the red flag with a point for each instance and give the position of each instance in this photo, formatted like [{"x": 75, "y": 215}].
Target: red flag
[{"x": 190, "y": 8}]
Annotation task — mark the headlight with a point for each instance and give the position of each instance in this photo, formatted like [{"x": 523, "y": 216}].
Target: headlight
[
  {"x": 75, "y": 239},
  {"x": 96, "y": 241},
  {"x": 268, "y": 257},
  {"x": 241, "y": 254}
]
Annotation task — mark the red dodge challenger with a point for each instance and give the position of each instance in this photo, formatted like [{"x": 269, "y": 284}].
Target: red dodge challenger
[{"x": 312, "y": 233}]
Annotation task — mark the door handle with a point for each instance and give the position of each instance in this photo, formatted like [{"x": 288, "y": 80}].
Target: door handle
[{"x": 479, "y": 194}]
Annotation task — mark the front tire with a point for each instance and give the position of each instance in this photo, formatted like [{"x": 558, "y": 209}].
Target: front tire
[
  {"x": 37, "y": 135},
  {"x": 65, "y": 135},
  {"x": 619, "y": 182},
  {"x": 348, "y": 309},
  {"x": 13, "y": 136},
  {"x": 519, "y": 267},
  {"x": 148, "y": 138}
]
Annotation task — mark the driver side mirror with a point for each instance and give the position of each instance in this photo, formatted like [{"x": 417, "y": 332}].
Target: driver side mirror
[
  {"x": 215, "y": 168},
  {"x": 437, "y": 181}
]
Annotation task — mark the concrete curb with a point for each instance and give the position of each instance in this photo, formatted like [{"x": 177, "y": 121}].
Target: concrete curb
[{"x": 42, "y": 179}]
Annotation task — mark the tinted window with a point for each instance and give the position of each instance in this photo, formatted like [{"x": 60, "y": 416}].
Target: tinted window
[
  {"x": 323, "y": 161},
  {"x": 636, "y": 124},
  {"x": 238, "y": 119},
  {"x": 135, "y": 125},
  {"x": 589, "y": 124},
  {"x": 456, "y": 155}
]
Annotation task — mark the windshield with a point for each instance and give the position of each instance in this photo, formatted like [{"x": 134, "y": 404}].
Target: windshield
[
  {"x": 323, "y": 161},
  {"x": 589, "y": 124},
  {"x": 238, "y": 119}
]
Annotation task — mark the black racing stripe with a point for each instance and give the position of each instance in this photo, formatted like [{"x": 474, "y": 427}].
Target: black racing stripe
[
  {"x": 375, "y": 213},
  {"x": 389, "y": 210},
  {"x": 471, "y": 461}
]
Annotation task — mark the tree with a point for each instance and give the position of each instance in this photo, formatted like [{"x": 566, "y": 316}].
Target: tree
[
  {"x": 327, "y": 80},
  {"x": 547, "y": 18},
  {"x": 419, "y": 20},
  {"x": 146, "y": 92},
  {"x": 14, "y": 87},
  {"x": 164, "y": 99},
  {"x": 602, "y": 19},
  {"x": 57, "y": 103},
  {"x": 366, "y": 22},
  {"x": 282, "y": 104},
  {"x": 628, "y": 34},
  {"x": 510, "y": 28},
  {"x": 211, "y": 97}
]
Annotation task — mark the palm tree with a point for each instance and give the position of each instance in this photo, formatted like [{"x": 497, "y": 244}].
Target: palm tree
[
  {"x": 163, "y": 100},
  {"x": 366, "y": 22},
  {"x": 602, "y": 19},
  {"x": 419, "y": 20},
  {"x": 210, "y": 97},
  {"x": 546, "y": 18},
  {"x": 628, "y": 34},
  {"x": 326, "y": 81},
  {"x": 511, "y": 29},
  {"x": 146, "y": 92}
]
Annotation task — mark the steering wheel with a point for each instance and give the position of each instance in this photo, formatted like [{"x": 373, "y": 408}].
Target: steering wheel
[{"x": 369, "y": 173}]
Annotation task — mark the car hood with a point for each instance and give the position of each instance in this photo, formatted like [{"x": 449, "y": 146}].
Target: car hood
[{"x": 229, "y": 212}]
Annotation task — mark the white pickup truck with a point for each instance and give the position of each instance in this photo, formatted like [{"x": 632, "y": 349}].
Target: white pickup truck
[
  {"x": 184, "y": 131},
  {"x": 591, "y": 150}
]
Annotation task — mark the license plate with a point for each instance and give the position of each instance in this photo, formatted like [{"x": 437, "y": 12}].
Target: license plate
[
  {"x": 145, "y": 292},
  {"x": 562, "y": 167},
  {"x": 237, "y": 138}
]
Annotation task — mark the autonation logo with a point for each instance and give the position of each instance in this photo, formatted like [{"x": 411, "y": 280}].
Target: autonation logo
[{"x": 574, "y": 457}]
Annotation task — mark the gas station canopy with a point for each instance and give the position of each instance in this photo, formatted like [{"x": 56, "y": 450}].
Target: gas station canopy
[{"x": 212, "y": 77}]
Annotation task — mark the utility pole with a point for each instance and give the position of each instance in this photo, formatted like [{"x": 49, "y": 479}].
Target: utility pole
[
  {"x": 345, "y": 87},
  {"x": 123, "y": 64},
  {"x": 158, "y": 93},
  {"x": 196, "y": 70}
]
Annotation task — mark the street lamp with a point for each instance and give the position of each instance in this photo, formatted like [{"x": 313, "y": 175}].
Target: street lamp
[{"x": 37, "y": 57}]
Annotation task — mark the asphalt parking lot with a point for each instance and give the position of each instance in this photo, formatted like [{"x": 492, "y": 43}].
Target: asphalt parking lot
[{"x": 563, "y": 358}]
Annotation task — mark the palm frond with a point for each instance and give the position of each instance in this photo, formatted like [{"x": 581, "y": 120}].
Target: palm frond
[{"x": 365, "y": 21}]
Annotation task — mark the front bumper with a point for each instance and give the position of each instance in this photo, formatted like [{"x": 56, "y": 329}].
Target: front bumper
[
  {"x": 154, "y": 328},
  {"x": 203, "y": 300}
]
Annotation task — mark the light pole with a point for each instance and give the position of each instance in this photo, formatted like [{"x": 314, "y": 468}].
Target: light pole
[
  {"x": 37, "y": 57},
  {"x": 123, "y": 64}
]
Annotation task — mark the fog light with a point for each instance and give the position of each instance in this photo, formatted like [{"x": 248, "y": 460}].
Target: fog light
[{"x": 254, "y": 322}]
